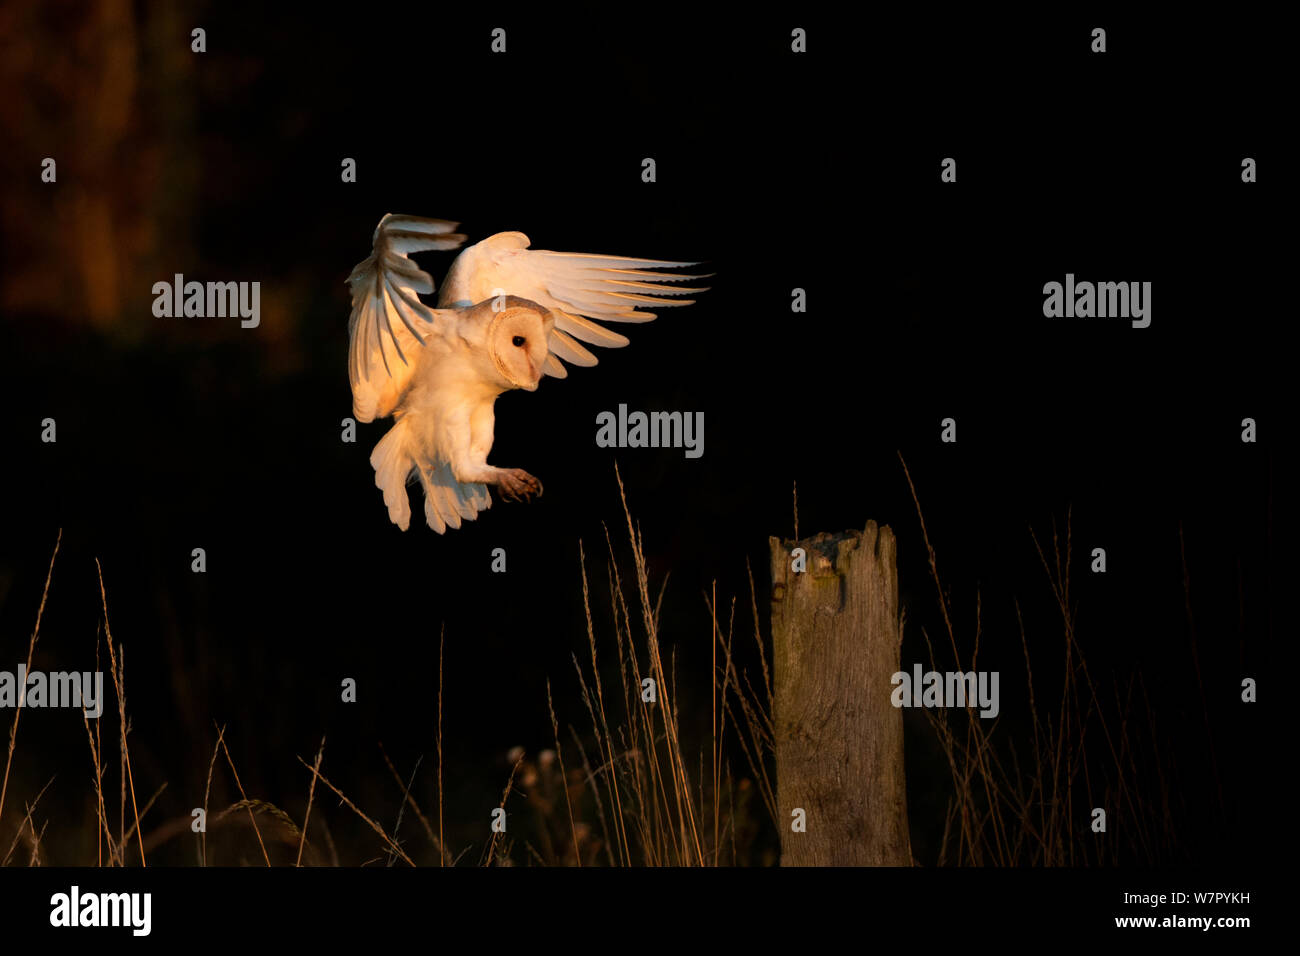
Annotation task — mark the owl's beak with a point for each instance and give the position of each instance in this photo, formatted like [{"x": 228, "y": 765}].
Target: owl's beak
[{"x": 530, "y": 384}]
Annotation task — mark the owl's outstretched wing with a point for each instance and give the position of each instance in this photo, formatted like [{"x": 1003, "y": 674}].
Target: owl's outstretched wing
[
  {"x": 389, "y": 324},
  {"x": 576, "y": 287}
]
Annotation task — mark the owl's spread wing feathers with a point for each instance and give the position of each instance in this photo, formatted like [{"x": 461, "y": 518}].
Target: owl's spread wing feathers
[
  {"x": 389, "y": 323},
  {"x": 576, "y": 287}
]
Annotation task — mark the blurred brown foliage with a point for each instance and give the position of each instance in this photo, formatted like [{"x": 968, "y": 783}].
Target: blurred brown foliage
[{"x": 106, "y": 90}]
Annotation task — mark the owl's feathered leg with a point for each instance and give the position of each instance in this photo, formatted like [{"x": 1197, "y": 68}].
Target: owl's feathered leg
[
  {"x": 469, "y": 460},
  {"x": 512, "y": 483}
]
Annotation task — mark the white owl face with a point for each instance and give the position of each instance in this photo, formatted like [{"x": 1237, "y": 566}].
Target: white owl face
[{"x": 516, "y": 341}]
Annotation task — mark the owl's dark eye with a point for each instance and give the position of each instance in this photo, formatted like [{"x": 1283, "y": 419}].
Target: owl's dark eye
[{"x": 518, "y": 340}]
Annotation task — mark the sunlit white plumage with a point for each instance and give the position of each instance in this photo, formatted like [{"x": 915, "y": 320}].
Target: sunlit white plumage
[{"x": 506, "y": 316}]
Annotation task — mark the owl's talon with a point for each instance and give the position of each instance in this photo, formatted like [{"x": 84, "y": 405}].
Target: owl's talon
[{"x": 514, "y": 484}]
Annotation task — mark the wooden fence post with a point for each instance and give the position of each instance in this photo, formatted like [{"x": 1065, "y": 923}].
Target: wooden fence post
[{"x": 839, "y": 740}]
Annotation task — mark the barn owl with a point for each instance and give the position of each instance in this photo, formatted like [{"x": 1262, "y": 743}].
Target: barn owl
[{"x": 506, "y": 316}]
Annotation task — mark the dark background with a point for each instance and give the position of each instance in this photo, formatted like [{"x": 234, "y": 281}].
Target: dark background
[{"x": 776, "y": 171}]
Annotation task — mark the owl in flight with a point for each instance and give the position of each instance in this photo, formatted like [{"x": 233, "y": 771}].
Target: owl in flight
[{"x": 506, "y": 316}]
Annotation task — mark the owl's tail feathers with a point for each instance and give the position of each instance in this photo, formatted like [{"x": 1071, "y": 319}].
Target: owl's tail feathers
[
  {"x": 447, "y": 501},
  {"x": 393, "y": 465}
]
